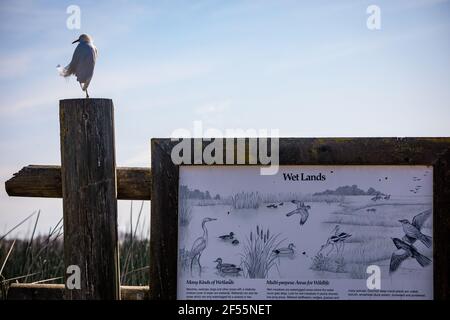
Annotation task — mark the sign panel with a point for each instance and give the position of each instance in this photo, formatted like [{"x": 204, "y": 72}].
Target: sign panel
[{"x": 308, "y": 232}]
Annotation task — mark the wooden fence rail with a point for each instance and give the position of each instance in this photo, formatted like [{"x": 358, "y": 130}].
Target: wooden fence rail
[
  {"x": 89, "y": 184},
  {"x": 44, "y": 181}
]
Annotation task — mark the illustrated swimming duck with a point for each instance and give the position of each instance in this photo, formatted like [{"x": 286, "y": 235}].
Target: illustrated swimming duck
[
  {"x": 285, "y": 251},
  {"x": 221, "y": 265},
  {"x": 227, "y": 236},
  {"x": 231, "y": 270}
]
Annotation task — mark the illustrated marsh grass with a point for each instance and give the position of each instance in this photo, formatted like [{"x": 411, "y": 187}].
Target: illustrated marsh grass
[
  {"x": 322, "y": 262},
  {"x": 246, "y": 200},
  {"x": 258, "y": 257},
  {"x": 254, "y": 199},
  {"x": 185, "y": 211}
]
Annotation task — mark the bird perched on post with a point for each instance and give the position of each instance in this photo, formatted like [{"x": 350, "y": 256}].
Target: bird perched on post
[
  {"x": 412, "y": 230},
  {"x": 83, "y": 62}
]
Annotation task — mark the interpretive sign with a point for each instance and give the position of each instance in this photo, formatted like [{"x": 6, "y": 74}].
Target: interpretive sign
[
  {"x": 307, "y": 232},
  {"x": 348, "y": 218}
]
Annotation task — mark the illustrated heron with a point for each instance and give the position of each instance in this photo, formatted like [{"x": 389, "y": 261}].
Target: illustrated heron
[
  {"x": 200, "y": 244},
  {"x": 83, "y": 62}
]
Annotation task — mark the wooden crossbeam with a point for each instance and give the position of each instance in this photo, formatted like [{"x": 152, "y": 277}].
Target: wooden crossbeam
[
  {"x": 28, "y": 291},
  {"x": 44, "y": 181}
]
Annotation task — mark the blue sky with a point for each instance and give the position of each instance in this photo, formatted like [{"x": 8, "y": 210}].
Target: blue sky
[{"x": 306, "y": 68}]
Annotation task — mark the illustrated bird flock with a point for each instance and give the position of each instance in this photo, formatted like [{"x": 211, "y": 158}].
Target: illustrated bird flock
[
  {"x": 404, "y": 252},
  {"x": 405, "y": 246},
  {"x": 381, "y": 196}
]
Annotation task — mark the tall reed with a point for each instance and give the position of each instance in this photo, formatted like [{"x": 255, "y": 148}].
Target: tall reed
[{"x": 258, "y": 257}]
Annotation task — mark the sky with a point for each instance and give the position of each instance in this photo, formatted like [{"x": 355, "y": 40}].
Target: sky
[{"x": 306, "y": 68}]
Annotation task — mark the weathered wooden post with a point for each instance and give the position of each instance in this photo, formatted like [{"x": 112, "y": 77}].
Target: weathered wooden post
[{"x": 88, "y": 173}]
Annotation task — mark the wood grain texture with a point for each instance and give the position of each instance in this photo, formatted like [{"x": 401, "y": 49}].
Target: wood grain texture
[
  {"x": 441, "y": 226},
  {"x": 134, "y": 183},
  {"x": 44, "y": 181},
  {"x": 28, "y": 291},
  {"x": 164, "y": 224},
  {"x": 88, "y": 176},
  {"x": 433, "y": 152}
]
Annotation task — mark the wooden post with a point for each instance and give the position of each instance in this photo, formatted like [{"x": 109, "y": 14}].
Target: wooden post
[{"x": 88, "y": 174}]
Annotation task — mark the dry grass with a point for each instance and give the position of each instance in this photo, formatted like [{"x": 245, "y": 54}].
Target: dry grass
[{"x": 40, "y": 258}]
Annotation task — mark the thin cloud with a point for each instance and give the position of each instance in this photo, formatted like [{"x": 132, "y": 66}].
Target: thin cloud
[{"x": 14, "y": 66}]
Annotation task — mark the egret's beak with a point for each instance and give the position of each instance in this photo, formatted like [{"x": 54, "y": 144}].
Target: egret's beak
[{"x": 78, "y": 40}]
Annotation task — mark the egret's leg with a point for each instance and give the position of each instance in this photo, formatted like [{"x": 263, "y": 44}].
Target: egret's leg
[{"x": 87, "y": 94}]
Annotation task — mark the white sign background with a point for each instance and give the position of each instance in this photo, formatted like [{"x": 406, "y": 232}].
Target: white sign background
[{"x": 244, "y": 202}]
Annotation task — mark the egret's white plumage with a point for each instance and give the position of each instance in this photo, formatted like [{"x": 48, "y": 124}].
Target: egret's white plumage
[{"x": 83, "y": 62}]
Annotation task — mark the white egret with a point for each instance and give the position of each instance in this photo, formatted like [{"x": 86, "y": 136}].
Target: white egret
[{"x": 83, "y": 62}]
